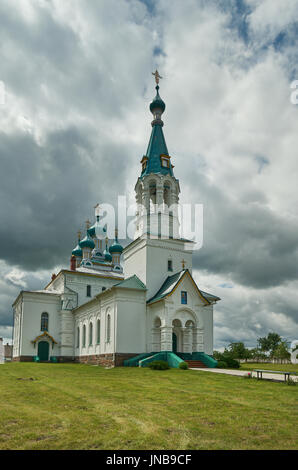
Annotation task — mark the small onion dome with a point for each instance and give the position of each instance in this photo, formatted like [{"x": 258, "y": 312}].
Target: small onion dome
[
  {"x": 157, "y": 102},
  {"x": 107, "y": 256},
  {"x": 116, "y": 247},
  {"x": 77, "y": 251},
  {"x": 87, "y": 242}
]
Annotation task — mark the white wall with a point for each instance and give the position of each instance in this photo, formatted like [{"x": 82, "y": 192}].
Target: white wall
[
  {"x": 172, "y": 309},
  {"x": 148, "y": 259},
  {"x": 34, "y": 305},
  {"x": 131, "y": 321},
  {"x": 78, "y": 283}
]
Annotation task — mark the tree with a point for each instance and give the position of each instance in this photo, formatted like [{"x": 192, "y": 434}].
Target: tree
[
  {"x": 238, "y": 351},
  {"x": 281, "y": 351},
  {"x": 269, "y": 343},
  {"x": 257, "y": 354}
]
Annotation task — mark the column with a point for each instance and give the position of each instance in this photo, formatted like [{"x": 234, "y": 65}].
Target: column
[
  {"x": 166, "y": 338},
  {"x": 198, "y": 345},
  {"x": 187, "y": 339}
]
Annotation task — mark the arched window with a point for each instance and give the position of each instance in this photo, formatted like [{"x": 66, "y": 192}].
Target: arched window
[
  {"x": 108, "y": 328},
  {"x": 98, "y": 332},
  {"x": 44, "y": 324},
  {"x": 78, "y": 337},
  {"x": 84, "y": 336},
  {"x": 90, "y": 333}
]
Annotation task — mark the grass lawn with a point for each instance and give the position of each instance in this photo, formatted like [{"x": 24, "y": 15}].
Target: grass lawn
[{"x": 72, "y": 406}]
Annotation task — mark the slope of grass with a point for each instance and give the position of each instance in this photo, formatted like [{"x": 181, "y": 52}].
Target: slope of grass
[{"x": 68, "y": 406}]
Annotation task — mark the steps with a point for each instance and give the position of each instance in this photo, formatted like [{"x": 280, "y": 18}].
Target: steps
[{"x": 193, "y": 364}]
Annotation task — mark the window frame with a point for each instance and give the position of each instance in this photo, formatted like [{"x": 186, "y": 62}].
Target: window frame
[
  {"x": 44, "y": 321},
  {"x": 184, "y": 297}
]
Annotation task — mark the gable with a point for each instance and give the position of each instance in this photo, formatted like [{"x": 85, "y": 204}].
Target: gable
[{"x": 176, "y": 282}]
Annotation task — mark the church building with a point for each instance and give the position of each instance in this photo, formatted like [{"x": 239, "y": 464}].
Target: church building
[{"x": 124, "y": 306}]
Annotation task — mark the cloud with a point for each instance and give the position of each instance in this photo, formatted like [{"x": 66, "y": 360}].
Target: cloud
[{"x": 76, "y": 123}]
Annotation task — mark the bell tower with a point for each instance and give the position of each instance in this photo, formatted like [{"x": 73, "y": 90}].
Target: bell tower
[
  {"x": 157, "y": 190},
  {"x": 157, "y": 250}
]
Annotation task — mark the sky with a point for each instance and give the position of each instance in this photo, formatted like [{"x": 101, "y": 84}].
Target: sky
[{"x": 75, "y": 123}]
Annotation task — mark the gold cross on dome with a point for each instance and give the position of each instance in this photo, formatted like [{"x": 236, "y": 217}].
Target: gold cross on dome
[
  {"x": 79, "y": 234},
  {"x": 157, "y": 76},
  {"x": 87, "y": 224},
  {"x": 183, "y": 264}
]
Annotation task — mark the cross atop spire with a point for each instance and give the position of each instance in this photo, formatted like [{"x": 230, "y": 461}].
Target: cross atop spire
[{"x": 157, "y": 76}]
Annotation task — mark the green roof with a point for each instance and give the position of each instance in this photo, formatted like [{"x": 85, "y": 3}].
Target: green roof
[
  {"x": 170, "y": 284},
  {"x": 157, "y": 145},
  {"x": 132, "y": 282}
]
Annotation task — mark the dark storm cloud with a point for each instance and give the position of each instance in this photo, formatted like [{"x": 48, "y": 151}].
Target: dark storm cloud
[
  {"x": 246, "y": 240},
  {"x": 49, "y": 191}
]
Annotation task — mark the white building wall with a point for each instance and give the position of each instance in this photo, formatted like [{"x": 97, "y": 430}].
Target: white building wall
[
  {"x": 131, "y": 321},
  {"x": 33, "y": 306},
  {"x": 170, "y": 309},
  {"x": 79, "y": 282},
  {"x": 148, "y": 259},
  {"x": 97, "y": 309}
]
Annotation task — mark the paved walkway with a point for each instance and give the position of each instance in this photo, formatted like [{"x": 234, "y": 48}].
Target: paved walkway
[{"x": 279, "y": 377}]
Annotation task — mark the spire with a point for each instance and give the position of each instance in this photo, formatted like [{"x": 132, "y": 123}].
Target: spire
[{"x": 157, "y": 159}]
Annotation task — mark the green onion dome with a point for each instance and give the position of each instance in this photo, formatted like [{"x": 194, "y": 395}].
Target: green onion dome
[
  {"x": 107, "y": 256},
  {"x": 116, "y": 247},
  {"x": 157, "y": 102},
  {"x": 77, "y": 251},
  {"x": 87, "y": 242}
]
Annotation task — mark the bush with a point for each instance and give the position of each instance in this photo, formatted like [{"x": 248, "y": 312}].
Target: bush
[
  {"x": 222, "y": 365},
  {"x": 183, "y": 365},
  {"x": 159, "y": 365},
  {"x": 230, "y": 363}
]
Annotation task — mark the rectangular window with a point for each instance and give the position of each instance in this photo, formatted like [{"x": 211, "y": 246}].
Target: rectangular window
[
  {"x": 170, "y": 265},
  {"x": 183, "y": 297},
  {"x": 88, "y": 294}
]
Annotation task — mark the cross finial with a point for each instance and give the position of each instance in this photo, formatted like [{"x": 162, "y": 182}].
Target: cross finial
[
  {"x": 79, "y": 234},
  {"x": 157, "y": 76},
  {"x": 183, "y": 264},
  {"x": 87, "y": 224}
]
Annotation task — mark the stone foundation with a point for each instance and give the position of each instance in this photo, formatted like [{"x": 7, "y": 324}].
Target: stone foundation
[
  {"x": 107, "y": 360},
  {"x": 23, "y": 359}
]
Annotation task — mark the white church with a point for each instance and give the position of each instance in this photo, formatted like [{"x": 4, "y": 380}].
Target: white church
[{"x": 127, "y": 306}]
